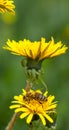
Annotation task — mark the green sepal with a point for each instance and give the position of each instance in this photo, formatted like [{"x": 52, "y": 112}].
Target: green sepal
[{"x": 34, "y": 64}]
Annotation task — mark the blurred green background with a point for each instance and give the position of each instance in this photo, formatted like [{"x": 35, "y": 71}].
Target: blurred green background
[{"x": 35, "y": 19}]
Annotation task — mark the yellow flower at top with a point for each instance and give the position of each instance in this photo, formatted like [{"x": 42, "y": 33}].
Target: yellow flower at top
[
  {"x": 34, "y": 103},
  {"x": 37, "y": 49},
  {"x": 7, "y": 6}
]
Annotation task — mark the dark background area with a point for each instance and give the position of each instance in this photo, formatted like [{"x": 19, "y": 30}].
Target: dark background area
[{"x": 33, "y": 20}]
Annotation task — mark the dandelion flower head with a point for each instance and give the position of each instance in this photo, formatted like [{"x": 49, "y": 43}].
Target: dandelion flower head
[
  {"x": 7, "y": 6},
  {"x": 37, "y": 49},
  {"x": 34, "y": 103}
]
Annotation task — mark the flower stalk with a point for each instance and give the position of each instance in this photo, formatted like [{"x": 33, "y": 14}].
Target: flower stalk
[
  {"x": 12, "y": 121},
  {"x": 29, "y": 85}
]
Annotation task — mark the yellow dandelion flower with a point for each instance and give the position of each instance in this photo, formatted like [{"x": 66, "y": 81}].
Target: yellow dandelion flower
[
  {"x": 37, "y": 49},
  {"x": 7, "y": 5},
  {"x": 34, "y": 103}
]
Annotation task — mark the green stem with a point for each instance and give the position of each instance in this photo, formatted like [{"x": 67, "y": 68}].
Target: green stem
[{"x": 44, "y": 84}]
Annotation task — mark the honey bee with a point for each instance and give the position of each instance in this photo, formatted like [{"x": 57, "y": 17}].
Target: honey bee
[
  {"x": 36, "y": 96},
  {"x": 40, "y": 96},
  {"x": 28, "y": 96}
]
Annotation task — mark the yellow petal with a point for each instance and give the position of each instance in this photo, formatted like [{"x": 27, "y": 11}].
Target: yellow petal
[
  {"x": 51, "y": 107},
  {"x": 20, "y": 97},
  {"x": 59, "y": 51},
  {"x": 45, "y": 94},
  {"x": 14, "y": 106},
  {"x": 29, "y": 118},
  {"x": 48, "y": 117},
  {"x": 23, "y": 109},
  {"x": 23, "y": 115},
  {"x": 42, "y": 119},
  {"x": 51, "y": 98}
]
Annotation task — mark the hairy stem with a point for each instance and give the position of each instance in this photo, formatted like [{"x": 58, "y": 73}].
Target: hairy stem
[
  {"x": 12, "y": 121},
  {"x": 29, "y": 85}
]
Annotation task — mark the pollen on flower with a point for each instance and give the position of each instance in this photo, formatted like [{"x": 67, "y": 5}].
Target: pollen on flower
[
  {"x": 34, "y": 103},
  {"x": 36, "y": 50},
  {"x": 7, "y": 6}
]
